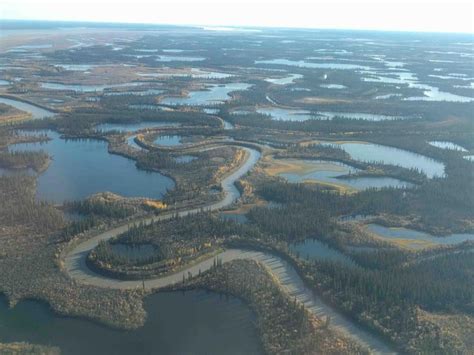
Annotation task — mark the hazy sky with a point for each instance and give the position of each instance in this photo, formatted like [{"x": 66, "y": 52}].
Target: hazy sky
[{"x": 418, "y": 15}]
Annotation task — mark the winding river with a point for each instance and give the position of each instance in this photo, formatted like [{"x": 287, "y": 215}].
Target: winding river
[
  {"x": 76, "y": 267},
  {"x": 35, "y": 111}
]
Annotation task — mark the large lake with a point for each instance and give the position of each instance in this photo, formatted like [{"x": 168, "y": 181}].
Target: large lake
[
  {"x": 83, "y": 167},
  {"x": 192, "y": 323}
]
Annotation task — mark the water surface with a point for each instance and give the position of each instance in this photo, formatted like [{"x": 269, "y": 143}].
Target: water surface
[
  {"x": 447, "y": 145},
  {"x": 315, "y": 250},
  {"x": 84, "y": 88},
  {"x": 413, "y": 237},
  {"x": 215, "y": 94},
  {"x": 168, "y": 140},
  {"x": 192, "y": 323},
  {"x": 284, "y": 114},
  {"x": 131, "y": 127},
  {"x": 306, "y": 64},
  {"x": 83, "y": 167},
  {"x": 369, "y": 152},
  {"x": 333, "y": 86},
  {"x": 175, "y": 58},
  {"x": 35, "y": 111},
  {"x": 329, "y": 171}
]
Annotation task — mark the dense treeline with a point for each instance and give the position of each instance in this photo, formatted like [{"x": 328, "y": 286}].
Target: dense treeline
[
  {"x": 20, "y": 160},
  {"x": 18, "y": 206},
  {"x": 99, "y": 208},
  {"x": 387, "y": 300},
  {"x": 336, "y": 153},
  {"x": 286, "y": 327},
  {"x": 83, "y": 120},
  {"x": 440, "y": 204},
  {"x": 175, "y": 242},
  {"x": 74, "y": 228}
]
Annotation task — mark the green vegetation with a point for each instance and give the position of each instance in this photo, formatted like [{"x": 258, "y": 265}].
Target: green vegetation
[
  {"x": 285, "y": 325},
  {"x": 37, "y": 161}
]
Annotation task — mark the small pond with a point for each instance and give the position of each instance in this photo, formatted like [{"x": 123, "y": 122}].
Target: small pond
[
  {"x": 133, "y": 251},
  {"x": 168, "y": 141},
  {"x": 315, "y": 250}
]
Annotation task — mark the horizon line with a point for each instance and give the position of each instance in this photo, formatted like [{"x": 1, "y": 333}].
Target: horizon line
[{"x": 256, "y": 27}]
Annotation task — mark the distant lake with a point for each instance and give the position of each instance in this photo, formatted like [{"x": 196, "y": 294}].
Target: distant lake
[
  {"x": 215, "y": 94},
  {"x": 328, "y": 171},
  {"x": 131, "y": 127},
  {"x": 306, "y": 64},
  {"x": 84, "y": 87},
  {"x": 285, "y": 80}
]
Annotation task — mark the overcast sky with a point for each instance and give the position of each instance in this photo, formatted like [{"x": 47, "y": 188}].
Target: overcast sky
[{"x": 405, "y": 15}]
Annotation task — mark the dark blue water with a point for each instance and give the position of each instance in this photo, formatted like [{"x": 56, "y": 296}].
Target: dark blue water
[
  {"x": 192, "y": 323},
  {"x": 315, "y": 250},
  {"x": 83, "y": 167}
]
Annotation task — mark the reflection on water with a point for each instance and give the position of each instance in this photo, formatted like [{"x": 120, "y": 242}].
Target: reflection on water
[
  {"x": 174, "y": 58},
  {"x": 84, "y": 88},
  {"x": 235, "y": 217},
  {"x": 192, "y": 323},
  {"x": 447, "y": 145},
  {"x": 417, "y": 236},
  {"x": 358, "y": 116},
  {"x": 333, "y": 86},
  {"x": 35, "y": 111},
  {"x": 215, "y": 94},
  {"x": 83, "y": 167},
  {"x": 315, "y": 250},
  {"x": 328, "y": 171},
  {"x": 305, "y": 64},
  {"x": 168, "y": 141},
  {"x": 285, "y": 80},
  {"x": 130, "y": 127},
  {"x": 283, "y": 114},
  {"x": 368, "y": 152}
]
